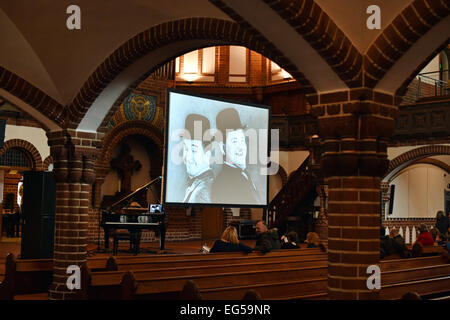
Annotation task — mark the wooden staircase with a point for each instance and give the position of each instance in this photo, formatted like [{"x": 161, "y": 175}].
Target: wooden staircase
[{"x": 299, "y": 185}]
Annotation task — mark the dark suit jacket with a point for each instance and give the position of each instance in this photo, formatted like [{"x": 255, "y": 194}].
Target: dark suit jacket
[{"x": 231, "y": 186}]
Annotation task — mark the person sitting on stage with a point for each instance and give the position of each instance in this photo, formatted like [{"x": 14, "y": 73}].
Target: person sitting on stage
[{"x": 229, "y": 242}]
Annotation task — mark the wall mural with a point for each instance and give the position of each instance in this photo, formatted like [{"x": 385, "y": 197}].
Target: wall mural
[{"x": 137, "y": 107}]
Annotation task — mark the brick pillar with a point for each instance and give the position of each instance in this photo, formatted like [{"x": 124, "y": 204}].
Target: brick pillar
[
  {"x": 322, "y": 219},
  {"x": 74, "y": 154},
  {"x": 354, "y": 127}
]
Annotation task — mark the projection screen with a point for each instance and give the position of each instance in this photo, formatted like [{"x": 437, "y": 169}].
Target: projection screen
[{"x": 216, "y": 152}]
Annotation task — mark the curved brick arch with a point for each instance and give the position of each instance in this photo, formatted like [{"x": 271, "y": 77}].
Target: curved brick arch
[
  {"x": 211, "y": 31},
  {"x": 47, "y": 162},
  {"x": 29, "y": 149},
  {"x": 32, "y": 96},
  {"x": 123, "y": 130},
  {"x": 315, "y": 26},
  {"x": 402, "y": 161},
  {"x": 396, "y": 39}
]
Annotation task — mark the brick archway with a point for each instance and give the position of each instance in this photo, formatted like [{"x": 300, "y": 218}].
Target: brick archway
[
  {"x": 402, "y": 161},
  {"x": 32, "y": 96},
  {"x": 309, "y": 20},
  {"x": 29, "y": 149},
  {"x": 203, "y": 31},
  {"x": 47, "y": 162},
  {"x": 400, "y": 35},
  {"x": 124, "y": 129},
  {"x": 115, "y": 136}
]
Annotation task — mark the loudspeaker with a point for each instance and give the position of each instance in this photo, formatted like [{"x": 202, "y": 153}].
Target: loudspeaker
[{"x": 38, "y": 215}]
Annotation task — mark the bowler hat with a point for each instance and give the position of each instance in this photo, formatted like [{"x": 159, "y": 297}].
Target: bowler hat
[
  {"x": 228, "y": 119},
  {"x": 190, "y": 123}
]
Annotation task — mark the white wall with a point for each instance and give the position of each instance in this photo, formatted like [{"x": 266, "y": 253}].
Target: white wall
[
  {"x": 291, "y": 160},
  {"x": 35, "y": 136},
  {"x": 432, "y": 66},
  {"x": 419, "y": 191}
]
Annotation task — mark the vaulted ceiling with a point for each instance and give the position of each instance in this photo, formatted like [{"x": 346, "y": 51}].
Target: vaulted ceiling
[{"x": 72, "y": 77}]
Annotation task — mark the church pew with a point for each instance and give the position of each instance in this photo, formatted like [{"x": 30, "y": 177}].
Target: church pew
[
  {"x": 422, "y": 277},
  {"x": 394, "y": 270},
  {"x": 414, "y": 274},
  {"x": 217, "y": 255},
  {"x": 439, "y": 285},
  {"x": 113, "y": 277},
  {"x": 132, "y": 265},
  {"x": 25, "y": 277},
  {"x": 103, "y": 281},
  {"x": 166, "y": 287},
  {"x": 308, "y": 289},
  {"x": 399, "y": 264}
]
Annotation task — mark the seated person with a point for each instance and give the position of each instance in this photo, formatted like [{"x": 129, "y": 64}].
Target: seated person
[
  {"x": 396, "y": 245},
  {"x": 267, "y": 240},
  {"x": 440, "y": 240},
  {"x": 312, "y": 239},
  {"x": 384, "y": 243},
  {"x": 425, "y": 238},
  {"x": 229, "y": 242},
  {"x": 290, "y": 241}
]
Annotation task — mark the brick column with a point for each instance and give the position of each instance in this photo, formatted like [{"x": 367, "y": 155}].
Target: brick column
[
  {"x": 353, "y": 127},
  {"x": 322, "y": 220},
  {"x": 74, "y": 154}
]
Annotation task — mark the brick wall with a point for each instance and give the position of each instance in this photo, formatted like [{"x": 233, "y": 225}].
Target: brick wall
[{"x": 411, "y": 95}]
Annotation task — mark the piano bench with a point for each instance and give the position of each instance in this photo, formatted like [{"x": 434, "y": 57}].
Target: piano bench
[{"x": 132, "y": 237}]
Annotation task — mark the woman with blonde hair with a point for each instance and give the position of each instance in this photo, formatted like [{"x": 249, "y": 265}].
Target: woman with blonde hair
[{"x": 229, "y": 242}]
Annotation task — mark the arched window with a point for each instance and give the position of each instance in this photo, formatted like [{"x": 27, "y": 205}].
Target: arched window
[{"x": 15, "y": 158}]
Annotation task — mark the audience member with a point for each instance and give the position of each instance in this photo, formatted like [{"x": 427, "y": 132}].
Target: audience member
[
  {"x": 229, "y": 242},
  {"x": 440, "y": 240},
  {"x": 434, "y": 232},
  {"x": 425, "y": 238},
  {"x": 417, "y": 250},
  {"x": 397, "y": 245},
  {"x": 251, "y": 294},
  {"x": 411, "y": 296},
  {"x": 312, "y": 239},
  {"x": 267, "y": 240},
  {"x": 290, "y": 241},
  {"x": 384, "y": 243},
  {"x": 442, "y": 222}
]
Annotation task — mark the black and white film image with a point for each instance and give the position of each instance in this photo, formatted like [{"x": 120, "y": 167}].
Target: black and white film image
[{"x": 216, "y": 152}]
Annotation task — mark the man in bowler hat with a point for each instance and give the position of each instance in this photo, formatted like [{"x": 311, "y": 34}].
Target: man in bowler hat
[
  {"x": 233, "y": 184},
  {"x": 196, "y": 156}
]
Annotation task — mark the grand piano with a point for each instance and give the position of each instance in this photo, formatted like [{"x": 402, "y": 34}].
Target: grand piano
[{"x": 121, "y": 215}]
